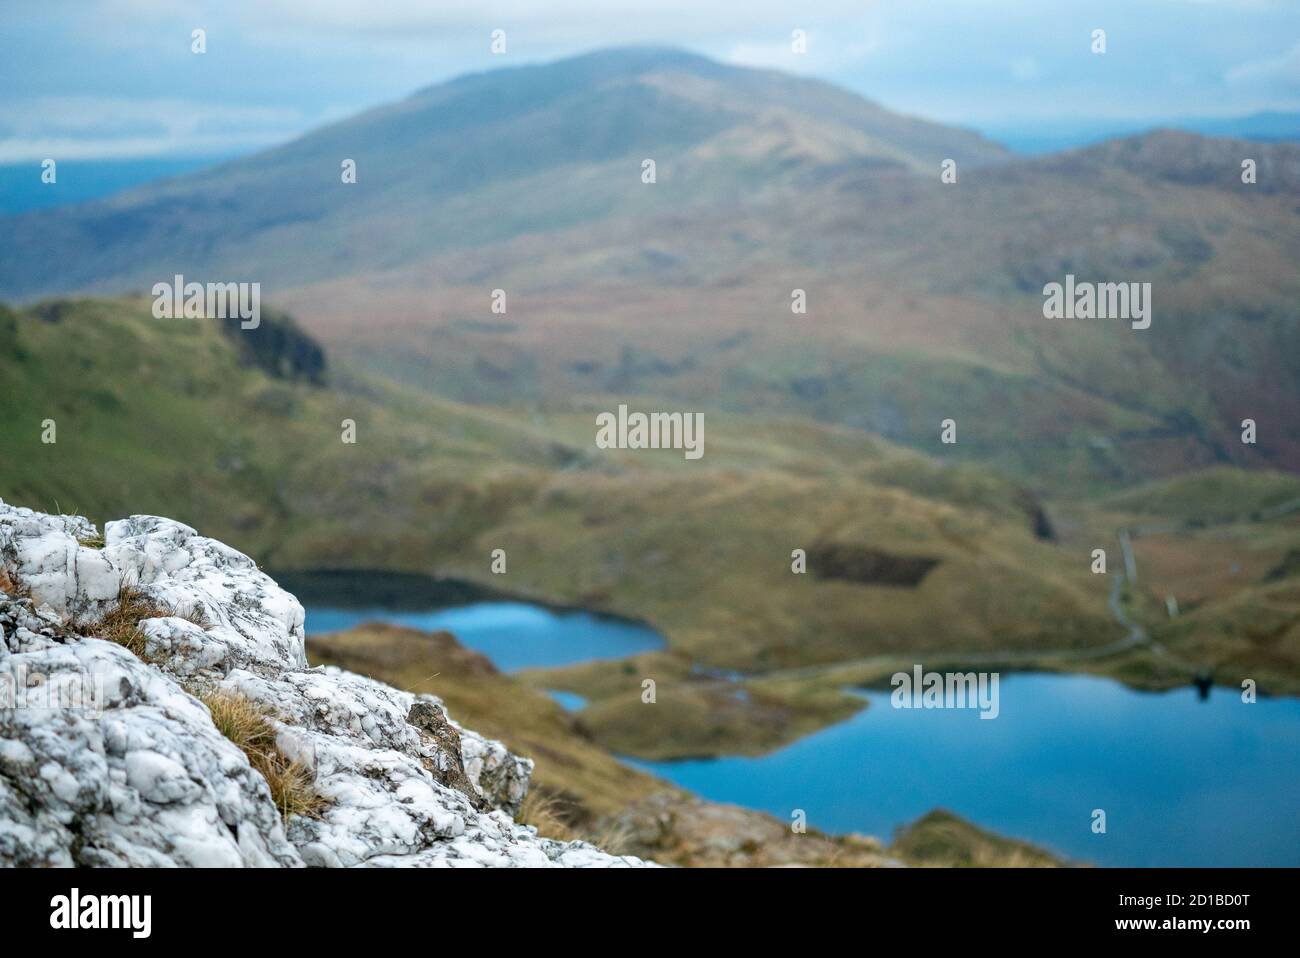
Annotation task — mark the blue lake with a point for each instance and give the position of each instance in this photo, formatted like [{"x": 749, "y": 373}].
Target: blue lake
[
  {"x": 1183, "y": 781},
  {"x": 514, "y": 635},
  {"x": 572, "y": 701}
]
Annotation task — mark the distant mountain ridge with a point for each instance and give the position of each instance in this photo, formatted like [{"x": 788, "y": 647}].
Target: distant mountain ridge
[
  {"x": 1051, "y": 136},
  {"x": 1179, "y": 157},
  {"x": 477, "y": 159}
]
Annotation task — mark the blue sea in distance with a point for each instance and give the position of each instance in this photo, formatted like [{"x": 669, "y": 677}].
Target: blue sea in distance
[{"x": 77, "y": 181}]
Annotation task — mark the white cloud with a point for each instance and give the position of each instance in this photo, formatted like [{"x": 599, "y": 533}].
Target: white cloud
[
  {"x": 1279, "y": 74},
  {"x": 586, "y": 22},
  {"x": 825, "y": 52}
]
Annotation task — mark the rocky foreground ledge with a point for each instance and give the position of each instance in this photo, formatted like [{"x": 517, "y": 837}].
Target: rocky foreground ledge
[{"x": 110, "y": 755}]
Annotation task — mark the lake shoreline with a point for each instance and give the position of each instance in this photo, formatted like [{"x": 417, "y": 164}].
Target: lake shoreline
[
  {"x": 344, "y": 587},
  {"x": 812, "y": 698}
]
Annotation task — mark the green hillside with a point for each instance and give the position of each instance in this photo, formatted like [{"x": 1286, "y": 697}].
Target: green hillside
[
  {"x": 1213, "y": 496},
  {"x": 183, "y": 418},
  {"x": 178, "y": 418}
]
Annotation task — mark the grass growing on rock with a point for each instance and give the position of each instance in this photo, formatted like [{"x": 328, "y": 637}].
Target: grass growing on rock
[
  {"x": 248, "y": 724},
  {"x": 121, "y": 624},
  {"x": 563, "y": 820},
  {"x": 549, "y": 814},
  {"x": 244, "y": 722}
]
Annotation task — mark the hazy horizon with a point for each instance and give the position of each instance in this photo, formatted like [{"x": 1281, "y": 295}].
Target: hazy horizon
[
  {"x": 103, "y": 173},
  {"x": 91, "y": 86}
]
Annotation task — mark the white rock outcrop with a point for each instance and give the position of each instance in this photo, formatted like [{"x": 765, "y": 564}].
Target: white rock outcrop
[{"x": 108, "y": 759}]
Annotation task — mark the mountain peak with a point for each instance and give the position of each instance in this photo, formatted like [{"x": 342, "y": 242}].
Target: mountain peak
[
  {"x": 640, "y": 59},
  {"x": 599, "y": 64},
  {"x": 505, "y": 153}
]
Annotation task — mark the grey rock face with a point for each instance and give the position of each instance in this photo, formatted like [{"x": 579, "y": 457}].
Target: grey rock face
[{"x": 107, "y": 758}]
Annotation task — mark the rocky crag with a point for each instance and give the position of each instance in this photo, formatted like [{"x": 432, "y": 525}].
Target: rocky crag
[{"x": 110, "y": 755}]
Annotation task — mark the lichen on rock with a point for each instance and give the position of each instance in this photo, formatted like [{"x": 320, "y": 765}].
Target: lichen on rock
[{"x": 109, "y": 758}]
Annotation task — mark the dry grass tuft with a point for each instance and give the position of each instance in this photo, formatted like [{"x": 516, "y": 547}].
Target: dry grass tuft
[
  {"x": 614, "y": 838},
  {"x": 122, "y": 623},
  {"x": 248, "y": 725},
  {"x": 549, "y": 814},
  {"x": 553, "y": 817}
]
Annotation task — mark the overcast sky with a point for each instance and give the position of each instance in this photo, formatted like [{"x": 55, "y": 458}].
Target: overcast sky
[{"x": 116, "y": 78}]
